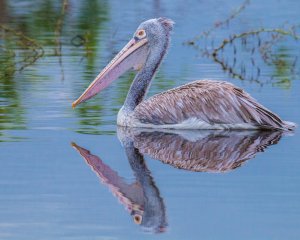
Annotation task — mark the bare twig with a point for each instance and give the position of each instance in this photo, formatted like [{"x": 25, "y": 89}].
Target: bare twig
[
  {"x": 264, "y": 49},
  {"x": 27, "y": 43},
  {"x": 219, "y": 24},
  {"x": 254, "y": 32}
]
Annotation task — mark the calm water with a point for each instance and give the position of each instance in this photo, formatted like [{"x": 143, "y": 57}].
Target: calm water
[{"x": 71, "y": 174}]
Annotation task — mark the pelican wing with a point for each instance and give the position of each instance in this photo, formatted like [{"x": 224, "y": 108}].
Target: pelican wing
[{"x": 213, "y": 102}]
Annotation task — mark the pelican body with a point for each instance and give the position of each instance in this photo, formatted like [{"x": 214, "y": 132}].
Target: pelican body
[{"x": 203, "y": 104}]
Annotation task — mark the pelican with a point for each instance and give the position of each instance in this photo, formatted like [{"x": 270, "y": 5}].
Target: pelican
[{"x": 202, "y": 104}]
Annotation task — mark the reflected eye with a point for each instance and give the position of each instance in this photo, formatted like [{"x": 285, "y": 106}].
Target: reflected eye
[
  {"x": 141, "y": 34},
  {"x": 137, "y": 219}
]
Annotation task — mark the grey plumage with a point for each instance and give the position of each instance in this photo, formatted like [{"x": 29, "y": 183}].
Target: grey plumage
[
  {"x": 158, "y": 35},
  {"x": 213, "y": 102}
]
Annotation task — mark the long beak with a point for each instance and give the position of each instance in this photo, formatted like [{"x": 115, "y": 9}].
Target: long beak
[{"x": 132, "y": 55}]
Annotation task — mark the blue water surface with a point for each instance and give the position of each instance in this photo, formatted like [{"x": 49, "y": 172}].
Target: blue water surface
[{"x": 49, "y": 191}]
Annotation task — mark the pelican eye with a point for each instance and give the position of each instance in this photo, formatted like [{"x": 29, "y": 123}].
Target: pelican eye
[{"x": 141, "y": 34}]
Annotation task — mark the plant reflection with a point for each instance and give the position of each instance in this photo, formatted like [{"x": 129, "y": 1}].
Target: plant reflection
[
  {"x": 45, "y": 29},
  {"x": 200, "y": 151},
  {"x": 93, "y": 15},
  {"x": 11, "y": 108},
  {"x": 284, "y": 66}
]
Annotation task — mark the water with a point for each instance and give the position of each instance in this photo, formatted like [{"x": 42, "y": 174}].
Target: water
[{"x": 128, "y": 189}]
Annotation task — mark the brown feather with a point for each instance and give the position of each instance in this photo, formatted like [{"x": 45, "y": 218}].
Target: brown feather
[{"x": 213, "y": 102}]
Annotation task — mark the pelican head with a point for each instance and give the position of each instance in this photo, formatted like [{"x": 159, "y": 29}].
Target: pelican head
[{"x": 148, "y": 45}]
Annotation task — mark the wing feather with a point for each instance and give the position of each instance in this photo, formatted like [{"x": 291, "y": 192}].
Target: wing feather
[{"x": 209, "y": 101}]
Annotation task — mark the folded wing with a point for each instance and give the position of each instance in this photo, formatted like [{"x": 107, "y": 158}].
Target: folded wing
[{"x": 213, "y": 102}]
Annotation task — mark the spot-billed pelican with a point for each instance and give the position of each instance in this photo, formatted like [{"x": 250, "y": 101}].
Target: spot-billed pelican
[{"x": 204, "y": 104}]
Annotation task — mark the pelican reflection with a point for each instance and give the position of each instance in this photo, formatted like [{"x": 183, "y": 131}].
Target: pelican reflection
[
  {"x": 200, "y": 151},
  {"x": 141, "y": 198}
]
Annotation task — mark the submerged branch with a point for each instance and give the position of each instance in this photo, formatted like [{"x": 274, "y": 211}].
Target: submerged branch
[
  {"x": 27, "y": 43},
  {"x": 267, "y": 38},
  {"x": 219, "y": 24},
  {"x": 255, "y": 32},
  {"x": 232, "y": 60},
  {"x": 264, "y": 50}
]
